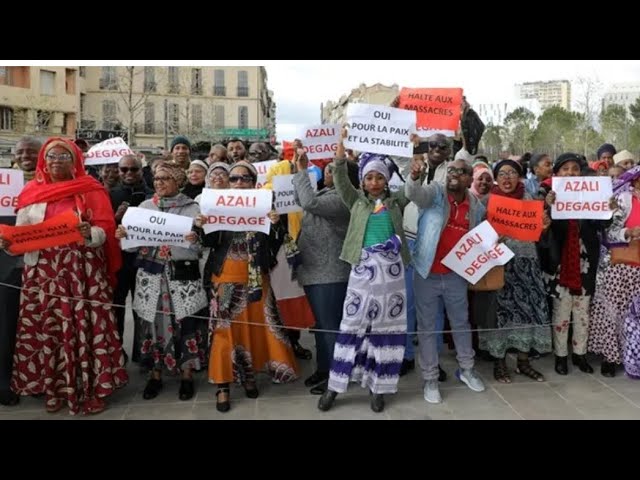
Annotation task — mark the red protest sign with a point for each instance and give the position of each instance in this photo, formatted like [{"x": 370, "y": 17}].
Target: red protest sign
[
  {"x": 59, "y": 230},
  {"x": 518, "y": 219},
  {"x": 436, "y": 108}
]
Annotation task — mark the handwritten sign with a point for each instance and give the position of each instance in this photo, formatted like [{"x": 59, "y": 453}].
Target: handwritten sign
[
  {"x": 518, "y": 219},
  {"x": 11, "y": 184},
  {"x": 263, "y": 168},
  {"x": 321, "y": 141},
  {"x": 476, "y": 253},
  {"x": 55, "y": 232},
  {"x": 380, "y": 129},
  {"x": 148, "y": 228},
  {"x": 436, "y": 108},
  {"x": 236, "y": 210},
  {"x": 581, "y": 197},
  {"x": 109, "y": 151}
]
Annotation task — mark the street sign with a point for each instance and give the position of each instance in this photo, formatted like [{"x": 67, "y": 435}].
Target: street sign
[
  {"x": 102, "y": 135},
  {"x": 243, "y": 132}
]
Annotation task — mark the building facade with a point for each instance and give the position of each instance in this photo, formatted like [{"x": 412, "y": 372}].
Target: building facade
[
  {"x": 624, "y": 94},
  {"x": 496, "y": 113},
  {"x": 378, "y": 94},
  {"x": 551, "y": 93}
]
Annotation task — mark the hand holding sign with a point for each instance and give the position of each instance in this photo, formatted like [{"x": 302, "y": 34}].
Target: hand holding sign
[
  {"x": 85, "y": 229},
  {"x": 121, "y": 232},
  {"x": 4, "y": 244}
]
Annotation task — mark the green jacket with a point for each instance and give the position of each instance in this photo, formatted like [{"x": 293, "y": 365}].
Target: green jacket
[{"x": 361, "y": 207}]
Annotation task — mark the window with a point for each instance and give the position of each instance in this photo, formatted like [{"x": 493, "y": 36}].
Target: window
[
  {"x": 218, "y": 117},
  {"x": 174, "y": 80},
  {"x": 47, "y": 82},
  {"x": 83, "y": 104},
  {"x": 69, "y": 124},
  {"x": 108, "y": 79},
  {"x": 82, "y": 71},
  {"x": 150, "y": 79},
  {"x": 243, "y": 117},
  {"x": 6, "y": 117},
  {"x": 15, "y": 76},
  {"x": 108, "y": 114},
  {"x": 42, "y": 120},
  {"x": 149, "y": 118},
  {"x": 70, "y": 81},
  {"x": 196, "y": 117},
  {"x": 196, "y": 81},
  {"x": 243, "y": 83},
  {"x": 174, "y": 117},
  {"x": 218, "y": 83}
]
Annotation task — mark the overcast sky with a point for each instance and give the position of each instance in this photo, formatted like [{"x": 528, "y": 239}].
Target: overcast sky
[{"x": 301, "y": 86}]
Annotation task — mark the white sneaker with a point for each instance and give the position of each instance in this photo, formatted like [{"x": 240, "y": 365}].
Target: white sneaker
[
  {"x": 432, "y": 392},
  {"x": 469, "y": 377}
]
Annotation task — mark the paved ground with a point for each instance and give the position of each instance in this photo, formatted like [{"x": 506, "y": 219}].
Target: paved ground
[{"x": 576, "y": 396}]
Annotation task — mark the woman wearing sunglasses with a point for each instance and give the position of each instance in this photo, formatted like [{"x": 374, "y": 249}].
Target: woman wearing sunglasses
[{"x": 237, "y": 272}]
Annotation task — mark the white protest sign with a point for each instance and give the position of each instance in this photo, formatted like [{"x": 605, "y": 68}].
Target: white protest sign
[
  {"x": 321, "y": 141},
  {"x": 285, "y": 193},
  {"x": 11, "y": 183},
  {"x": 581, "y": 197},
  {"x": 149, "y": 228},
  {"x": 395, "y": 183},
  {"x": 380, "y": 129},
  {"x": 236, "y": 210},
  {"x": 263, "y": 168},
  {"x": 476, "y": 253},
  {"x": 109, "y": 151}
]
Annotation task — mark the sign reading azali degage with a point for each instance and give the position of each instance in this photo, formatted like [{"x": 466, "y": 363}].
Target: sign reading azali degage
[
  {"x": 581, "y": 197},
  {"x": 321, "y": 141},
  {"x": 148, "y": 228},
  {"x": 236, "y": 210},
  {"x": 109, "y": 151},
  {"x": 476, "y": 253},
  {"x": 11, "y": 183}
]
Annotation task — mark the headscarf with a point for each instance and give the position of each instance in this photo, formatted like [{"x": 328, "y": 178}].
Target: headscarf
[
  {"x": 174, "y": 171},
  {"x": 564, "y": 158},
  {"x": 516, "y": 166},
  {"x": 519, "y": 191},
  {"x": 479, "y": 168},
  {"x": 200, "y": 163},
  {"x": 243, "y": 163},
  {"x": 372, "y": 162},
  {"x": 216, "y": 165},
  {"x": 624, "y": 183},
  {"x": 92, "y": 200},
  {"x": 622, "y": 156},
  {"x": 607, "y": 147},
  {"x": 599, "y": 163}
]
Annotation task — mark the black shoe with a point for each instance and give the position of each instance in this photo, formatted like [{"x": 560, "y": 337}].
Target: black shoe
[
  {"x": 251, "y": 392},
  {"x": 316, "y": 378},
  {"x": 580, "y": 361},
  {"x": 326, "y": 400},
  {"x": 223, "y": 406},
  {"x": 8, "y": 398},
  {"x": 377, "y": 403},
  {"x": 442, "y": 376},
  {"x": 407, "y": 366},
  {"x": 152, "y": 389},
  {"x": 561, "y": 365},
  {"x": 534, "y": 354},
  {"x": 301, "y": 353},
  {"x": 320, "y": 388},
  {"x": 608, "y": 369},
  {"x": 186, "y": 389}
]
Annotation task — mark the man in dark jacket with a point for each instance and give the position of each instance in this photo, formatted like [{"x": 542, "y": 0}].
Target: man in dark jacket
[{"x": 131, "y": 192}]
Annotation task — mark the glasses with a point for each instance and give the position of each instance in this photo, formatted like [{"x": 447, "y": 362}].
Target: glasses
[
  {"x": 219, "y": 174},
  {"x": 63, "y": 157},
  {"x": 440, "y": 145},
  {"x": 130, "y": 169},
  {"x": 457, "y": 171},
  {"x": 162, "y": 179},
  {"x": 510, "y": 174},
  {"x": 240, "y": 178}
]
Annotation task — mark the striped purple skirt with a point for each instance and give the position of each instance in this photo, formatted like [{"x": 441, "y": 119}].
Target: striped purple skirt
[{"x": 370, "y": 346}]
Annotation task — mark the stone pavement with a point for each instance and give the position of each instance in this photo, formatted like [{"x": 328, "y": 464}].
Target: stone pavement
[{"x": 576, "y": 396}]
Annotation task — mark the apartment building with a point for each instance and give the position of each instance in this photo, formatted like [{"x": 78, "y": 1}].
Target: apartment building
[
  {"x": 554, "y": 92},
  {"x": 152, "y": 104},
  {"x": 378, "y": 94}
]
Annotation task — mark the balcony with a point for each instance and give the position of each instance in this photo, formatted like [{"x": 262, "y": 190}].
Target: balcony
[
  {"x": 150, "y": 87},
  {"x": 220, "y": 91},
  {"x": 243, "y": 91},
  {"x": 108, "y": 84}
]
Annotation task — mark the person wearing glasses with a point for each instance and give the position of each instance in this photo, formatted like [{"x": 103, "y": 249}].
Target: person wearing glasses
[
  {"x": 447, "y": 213},
  {"x": 131, "y": 192},
  {"x": 66, "y": 349},
  {"x": 237, "y": 272},
  {"x": 517, "y": 315},
  {"x": 196, "y": 178},
  {"x": 169, "y": 293}
]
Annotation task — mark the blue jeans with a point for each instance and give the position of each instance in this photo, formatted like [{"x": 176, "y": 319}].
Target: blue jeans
[
  {"x": 436, "y": 289},
  {"x": 409, "y": 352},
  {"x": 326, "y": 301}
]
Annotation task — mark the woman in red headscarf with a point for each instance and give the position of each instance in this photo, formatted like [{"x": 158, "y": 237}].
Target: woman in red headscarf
[{"x": 67, "y": 347}]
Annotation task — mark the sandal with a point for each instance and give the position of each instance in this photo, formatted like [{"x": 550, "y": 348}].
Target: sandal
[
  {"x": 524, "y": 368},
  {"x": 500, "y": 371},
  {"x": 225, "y": 405},
  {"x": 54, "y": 405},
  {"x": 94, "y": 406},
  {"x": 301, "y": 352}
]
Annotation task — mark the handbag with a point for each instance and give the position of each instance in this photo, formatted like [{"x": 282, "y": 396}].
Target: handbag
[
  {"x": 493, "y": 280},
  {"x": 185, "y": 270},
  {"x": 629, "y": 255}
]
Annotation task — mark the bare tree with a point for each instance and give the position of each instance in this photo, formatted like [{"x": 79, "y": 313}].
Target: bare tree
[
  {"x": 588, "y": 103},
  {"x": 132, "y": 98}
]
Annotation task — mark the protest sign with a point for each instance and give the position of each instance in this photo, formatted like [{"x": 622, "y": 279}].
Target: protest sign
[
  {"x": 263, "y": 169},
  {"x": 438, "y": 109},
  {"x": 285, "y": 193},
  {"x": 518, "y": 219},
  {"x": 11, "y": 184},
  {"x": 236, "y": 210},
  {"x": 55, "y": 232},
  {"x": 321, "y": 141},
  {"x": 149, "y": 228},
  {"x": 109, "y": 151},
  {"x": 581, "y": 197}
]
